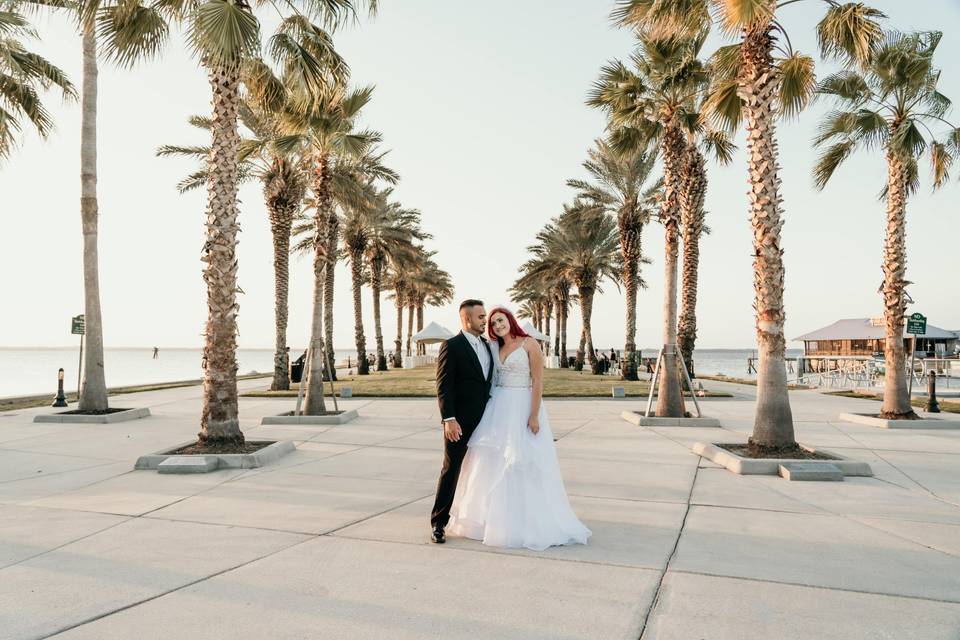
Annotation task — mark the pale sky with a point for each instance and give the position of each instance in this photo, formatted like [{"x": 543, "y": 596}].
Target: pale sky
[{"x": 483, "y": 107}]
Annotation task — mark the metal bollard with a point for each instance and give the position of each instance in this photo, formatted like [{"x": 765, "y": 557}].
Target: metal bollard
[
  {"x": 61, "y": 399},
  {"x": 932, "y": 405}
]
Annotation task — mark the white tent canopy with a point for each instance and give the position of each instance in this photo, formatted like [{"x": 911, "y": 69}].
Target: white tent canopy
[
  {"x": 432, "y": 333},
  {"x": 533, "y": 333}
]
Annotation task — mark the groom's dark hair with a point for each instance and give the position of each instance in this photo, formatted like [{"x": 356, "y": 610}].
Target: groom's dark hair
[{"x": 470, "y": 302}]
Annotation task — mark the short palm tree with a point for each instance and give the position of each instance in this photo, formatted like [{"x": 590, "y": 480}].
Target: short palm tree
[
  {"x": 892, "y": 106},
  {"x": 623, "y": 185},
  {"x": 369, "y": 231},
  {"x": 392, "y": 230},
  {"x": 583, "y": 241},
  {"x": 759, "y": 81},
  {"x": 25, "y": 74}
]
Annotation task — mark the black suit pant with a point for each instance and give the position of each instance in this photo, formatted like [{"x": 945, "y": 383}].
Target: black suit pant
[{"x": 453, "y": 455}]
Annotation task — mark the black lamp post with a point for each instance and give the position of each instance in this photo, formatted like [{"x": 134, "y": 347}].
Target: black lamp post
[
  {"x": 932, "y": 405},
  {"x": 61, "y": 399}
]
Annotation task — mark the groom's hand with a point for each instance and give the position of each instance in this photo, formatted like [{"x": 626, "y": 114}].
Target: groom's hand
[{"x": 452, "y": 431}]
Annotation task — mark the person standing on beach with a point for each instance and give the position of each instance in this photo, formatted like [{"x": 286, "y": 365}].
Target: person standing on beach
[{"x": 156, "y": 353}]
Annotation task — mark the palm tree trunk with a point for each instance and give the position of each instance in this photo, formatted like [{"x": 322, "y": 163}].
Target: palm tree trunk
[
  {"x": 376, "y": 277},
  {"x": 586, "y": 339},
  {"x": 669, "y": 395},
  {"x": 219, "y": 421},
  {"x": 631, "y": 228},
  {"x": 565, "y": 308},
  {"x": 557, "y": 325},
  {"x": 333, "y": 234},
  {"x": 692, "y": 194},
  {"x": 411, "y": 309},
  {"x": 281, "y": 219},
  {"x": 896, "y": 396},
  {"x": 93, "y": 391},
  {"x": 398, "y": 341},
  {"x": 356, "y": 274},
  {"x": 773, "y": 424},
  {"x": 421, "y": 348},
  {"x": 547, "y": 314},
  {"x": 313, "y": 400}
]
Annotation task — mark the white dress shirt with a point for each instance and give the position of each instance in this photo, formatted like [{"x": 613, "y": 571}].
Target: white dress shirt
[{"x": 482, "y": 353}]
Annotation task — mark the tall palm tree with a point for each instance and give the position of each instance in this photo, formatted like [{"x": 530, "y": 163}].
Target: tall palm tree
[
  {"x": 888, "y": 107},
  {"x": 226, "y": 37},
  {"x": 622, "y": 184},
  {"x": 25, "y": 74},
  {"x": 324, "y": 123},
  {"x": 131, "y": 32},
  {"x": 283, "y": 176},
  {"x": 583, "y": 241},
  {"x": 693, "y": 191},
  {"x": 759, "y": 80},
  {"x": 653, "y": 102}
]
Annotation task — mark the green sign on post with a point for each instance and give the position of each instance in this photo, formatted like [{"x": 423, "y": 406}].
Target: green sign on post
[
  {"x": 78, "y": 325},
  {"x": 917, "y": 324}
]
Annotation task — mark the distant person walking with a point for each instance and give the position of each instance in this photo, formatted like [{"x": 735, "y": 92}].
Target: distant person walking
[{"x": 156, "y": 353}]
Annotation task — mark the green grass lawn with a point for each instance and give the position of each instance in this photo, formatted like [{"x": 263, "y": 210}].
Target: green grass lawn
[
  {"x": 949, "y": 406},
  {"x": 421, "y": 383}
]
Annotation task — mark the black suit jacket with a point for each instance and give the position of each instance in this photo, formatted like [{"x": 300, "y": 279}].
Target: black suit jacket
[{"x": 462, "y": 389}]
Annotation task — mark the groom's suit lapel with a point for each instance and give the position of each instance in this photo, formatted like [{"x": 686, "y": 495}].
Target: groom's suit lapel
[{"x": 473, "y": 355}]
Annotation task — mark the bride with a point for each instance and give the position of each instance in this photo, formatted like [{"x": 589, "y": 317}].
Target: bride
[{"x": 510, "y": 492}]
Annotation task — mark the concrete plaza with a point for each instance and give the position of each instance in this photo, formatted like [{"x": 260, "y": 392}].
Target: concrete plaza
[{"x": 331, "y": 541}]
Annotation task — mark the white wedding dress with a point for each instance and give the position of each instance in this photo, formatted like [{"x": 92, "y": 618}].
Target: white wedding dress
[{"x": 510, "y": 492}]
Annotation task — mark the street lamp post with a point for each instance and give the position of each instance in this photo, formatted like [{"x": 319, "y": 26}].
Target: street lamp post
[{"x": 61, "y": 399}]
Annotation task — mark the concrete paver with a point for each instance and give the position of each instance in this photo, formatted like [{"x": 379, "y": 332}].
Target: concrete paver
[{"x": 331, "y": 540}]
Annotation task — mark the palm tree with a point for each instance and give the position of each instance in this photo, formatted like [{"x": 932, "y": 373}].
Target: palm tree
[
  {"x": 284, "y": 177},
  {"x": 889, "y": 107},
  {"x": 654, "y": 102},
  {"x": 583, "y": 243},
  {"x": 24, "y": 74},
  {"x": 391, "y": 231},
  {"x": 369, "y": 232},
  {"x": 131, "y": 33},
  {"x": 324, "y": 123},
  {"x": 749, "y": 80},
  {"x": 428, "y": 285},
  {"x": 693, "y": 191},
  {"x": 619, "y": 184},
  {"x": 226, "y": 36}
]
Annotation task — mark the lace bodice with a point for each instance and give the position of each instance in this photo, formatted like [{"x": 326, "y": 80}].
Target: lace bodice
[{"x": 515, "y": 370}]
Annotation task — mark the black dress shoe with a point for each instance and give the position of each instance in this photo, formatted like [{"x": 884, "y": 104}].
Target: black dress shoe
[{"x": 437, "y": 535}]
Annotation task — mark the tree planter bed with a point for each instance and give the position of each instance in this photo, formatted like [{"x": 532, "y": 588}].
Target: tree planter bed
[
  {"x": 107, "y": 417},
  {"x": 637, "y": 418},
  {"x": 172, "y": 461},
  {"x": 771, "y": 466},
  {"x": 874, "y": 420},
  {"x": 330, "y": 417}
]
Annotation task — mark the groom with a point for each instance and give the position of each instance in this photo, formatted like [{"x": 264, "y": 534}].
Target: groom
[{"x": 464, "y": 376}]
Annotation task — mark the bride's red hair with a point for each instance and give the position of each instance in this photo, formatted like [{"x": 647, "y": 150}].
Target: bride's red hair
[{"x": 515, "y": 330}]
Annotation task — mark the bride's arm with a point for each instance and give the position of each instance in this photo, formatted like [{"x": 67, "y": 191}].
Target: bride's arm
[{"x": 536, "y": 391}]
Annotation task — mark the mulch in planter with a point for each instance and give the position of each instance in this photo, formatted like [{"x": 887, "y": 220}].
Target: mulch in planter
[{"x": 198, "y": 449}]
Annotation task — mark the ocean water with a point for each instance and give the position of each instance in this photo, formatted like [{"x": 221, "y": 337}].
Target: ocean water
[{"x": 34, "y": 371}]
